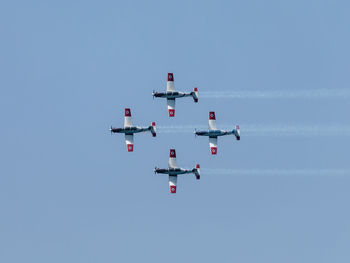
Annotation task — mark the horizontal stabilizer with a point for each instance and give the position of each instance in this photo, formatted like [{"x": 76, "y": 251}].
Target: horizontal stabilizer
[
  {"x": 238, "y": 133},
  {"x": 197, "y": 172},
  {"x": 153, "y": 129},
  {"x": 195, "y": 94}
]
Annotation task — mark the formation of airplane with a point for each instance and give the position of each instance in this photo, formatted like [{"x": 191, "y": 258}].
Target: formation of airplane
[
  {"x": 173, "y": 171},
  {"x": 171, "y": 94},
  {"x": 129, "y": 130},
  {"x": 213, "y": 133}
]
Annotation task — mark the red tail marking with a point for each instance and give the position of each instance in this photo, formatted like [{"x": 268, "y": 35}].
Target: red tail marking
[
  {"x": 127, "y": 112},
  {"x": 212, "y": 115},
  {"x": 198, "y": 166},
  {"x": 170, "y": 77},
  {"x": 214, "y": 150},
  {"x": 130, "y": 147},
  {"x": 171, "y": 113},
  {"x": 237, "y": 127},
  {"x": 172, "y": 153},
  {"x": 153, "y": 124},
  {"x": 173, "y": 189},
  {"x": 195, "y": 89}
]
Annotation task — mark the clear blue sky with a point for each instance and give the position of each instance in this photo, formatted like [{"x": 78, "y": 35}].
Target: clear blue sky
[{"x": 69, "y": 191}]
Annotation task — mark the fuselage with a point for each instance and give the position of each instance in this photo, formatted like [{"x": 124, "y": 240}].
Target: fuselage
[
  {"x": 213, "y": 133},
  {"x": 171, "y": 94},
  {"x": 172, "y": 171},
  {"x": 130, "y": 130}
]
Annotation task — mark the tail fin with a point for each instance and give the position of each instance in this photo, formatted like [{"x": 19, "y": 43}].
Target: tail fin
[
  {"x": 237, "y": 133},
  {"x": 197, "y": 172},
  {"x": 195, "y": 94},
  {"x": 153, "y": 129}
]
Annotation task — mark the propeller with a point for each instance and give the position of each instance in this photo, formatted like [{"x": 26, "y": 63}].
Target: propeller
[
  {"x": 111, "y": 130},
  {"x": 153, "y": 93},
  {"x": 195, "y": 133},
  {"x": 155, "y": 168}
]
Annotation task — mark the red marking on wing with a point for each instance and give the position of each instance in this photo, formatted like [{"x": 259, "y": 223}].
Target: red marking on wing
[
  {"x": 170, "y": 77},
  {"x": 130, "y": 147},
  {"x": 173, "y": 189},
  {"x": 214, "y": 150},
  {"x": 172, "y": 153},
  {"x": 211, "y": 115},
  {"x": 127, "y": 112},
  {"x": 171, "y": 113}
]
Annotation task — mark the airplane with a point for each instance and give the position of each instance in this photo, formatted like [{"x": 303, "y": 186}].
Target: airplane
[
  {"x": 171, "y": 94},
  {"x": 174, "y": 171},
  {"x": 129, "y": 130},
  {"x": 213, "y": 133}
]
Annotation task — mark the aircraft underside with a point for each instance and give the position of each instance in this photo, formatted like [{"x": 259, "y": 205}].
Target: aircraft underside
[
  {"x": 172, "y": 95},
  {"x": 212, "y": 133},
  {"x": 129, "y": 130}
]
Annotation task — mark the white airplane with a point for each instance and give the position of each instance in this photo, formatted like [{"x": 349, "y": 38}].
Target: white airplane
[
  {"x": 129, "y": 130},
  {"x": 213, "y": 133},
  {"x": 171, "y": 94},
  {"x": 174, "y": 171}
]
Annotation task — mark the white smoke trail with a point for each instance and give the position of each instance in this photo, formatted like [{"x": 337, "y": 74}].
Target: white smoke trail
[
  {"x": 268, "y": 129},
  {"x": 271, "y": 94},
  {"x": 274, "y": 172}
]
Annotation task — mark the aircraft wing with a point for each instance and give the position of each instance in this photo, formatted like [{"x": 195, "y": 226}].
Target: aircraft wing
[
  {"x": 129, "y": 140},
  {"x": 172, "y": 159},
  {"x": 212, "y": 121},
  {"x": 213, "y": 143},
  {"x": 170, "y": 83},
  {"x": 172, "y": 183},
  {"x": 127, "y": 118},
  {"x": 171, "y": 107}
]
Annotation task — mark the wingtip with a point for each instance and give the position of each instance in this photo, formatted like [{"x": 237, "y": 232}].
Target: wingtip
[
  {"x": 211, "y": 115},
  {"x": 127, "y": 112},
  {"x": 172, "y": 153},
  {"x": 173, "y": 189},
  {"x": 171, "y": 113},
  {"x": 170, "y": 76},
  {"x": 130, "y": 147}
]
